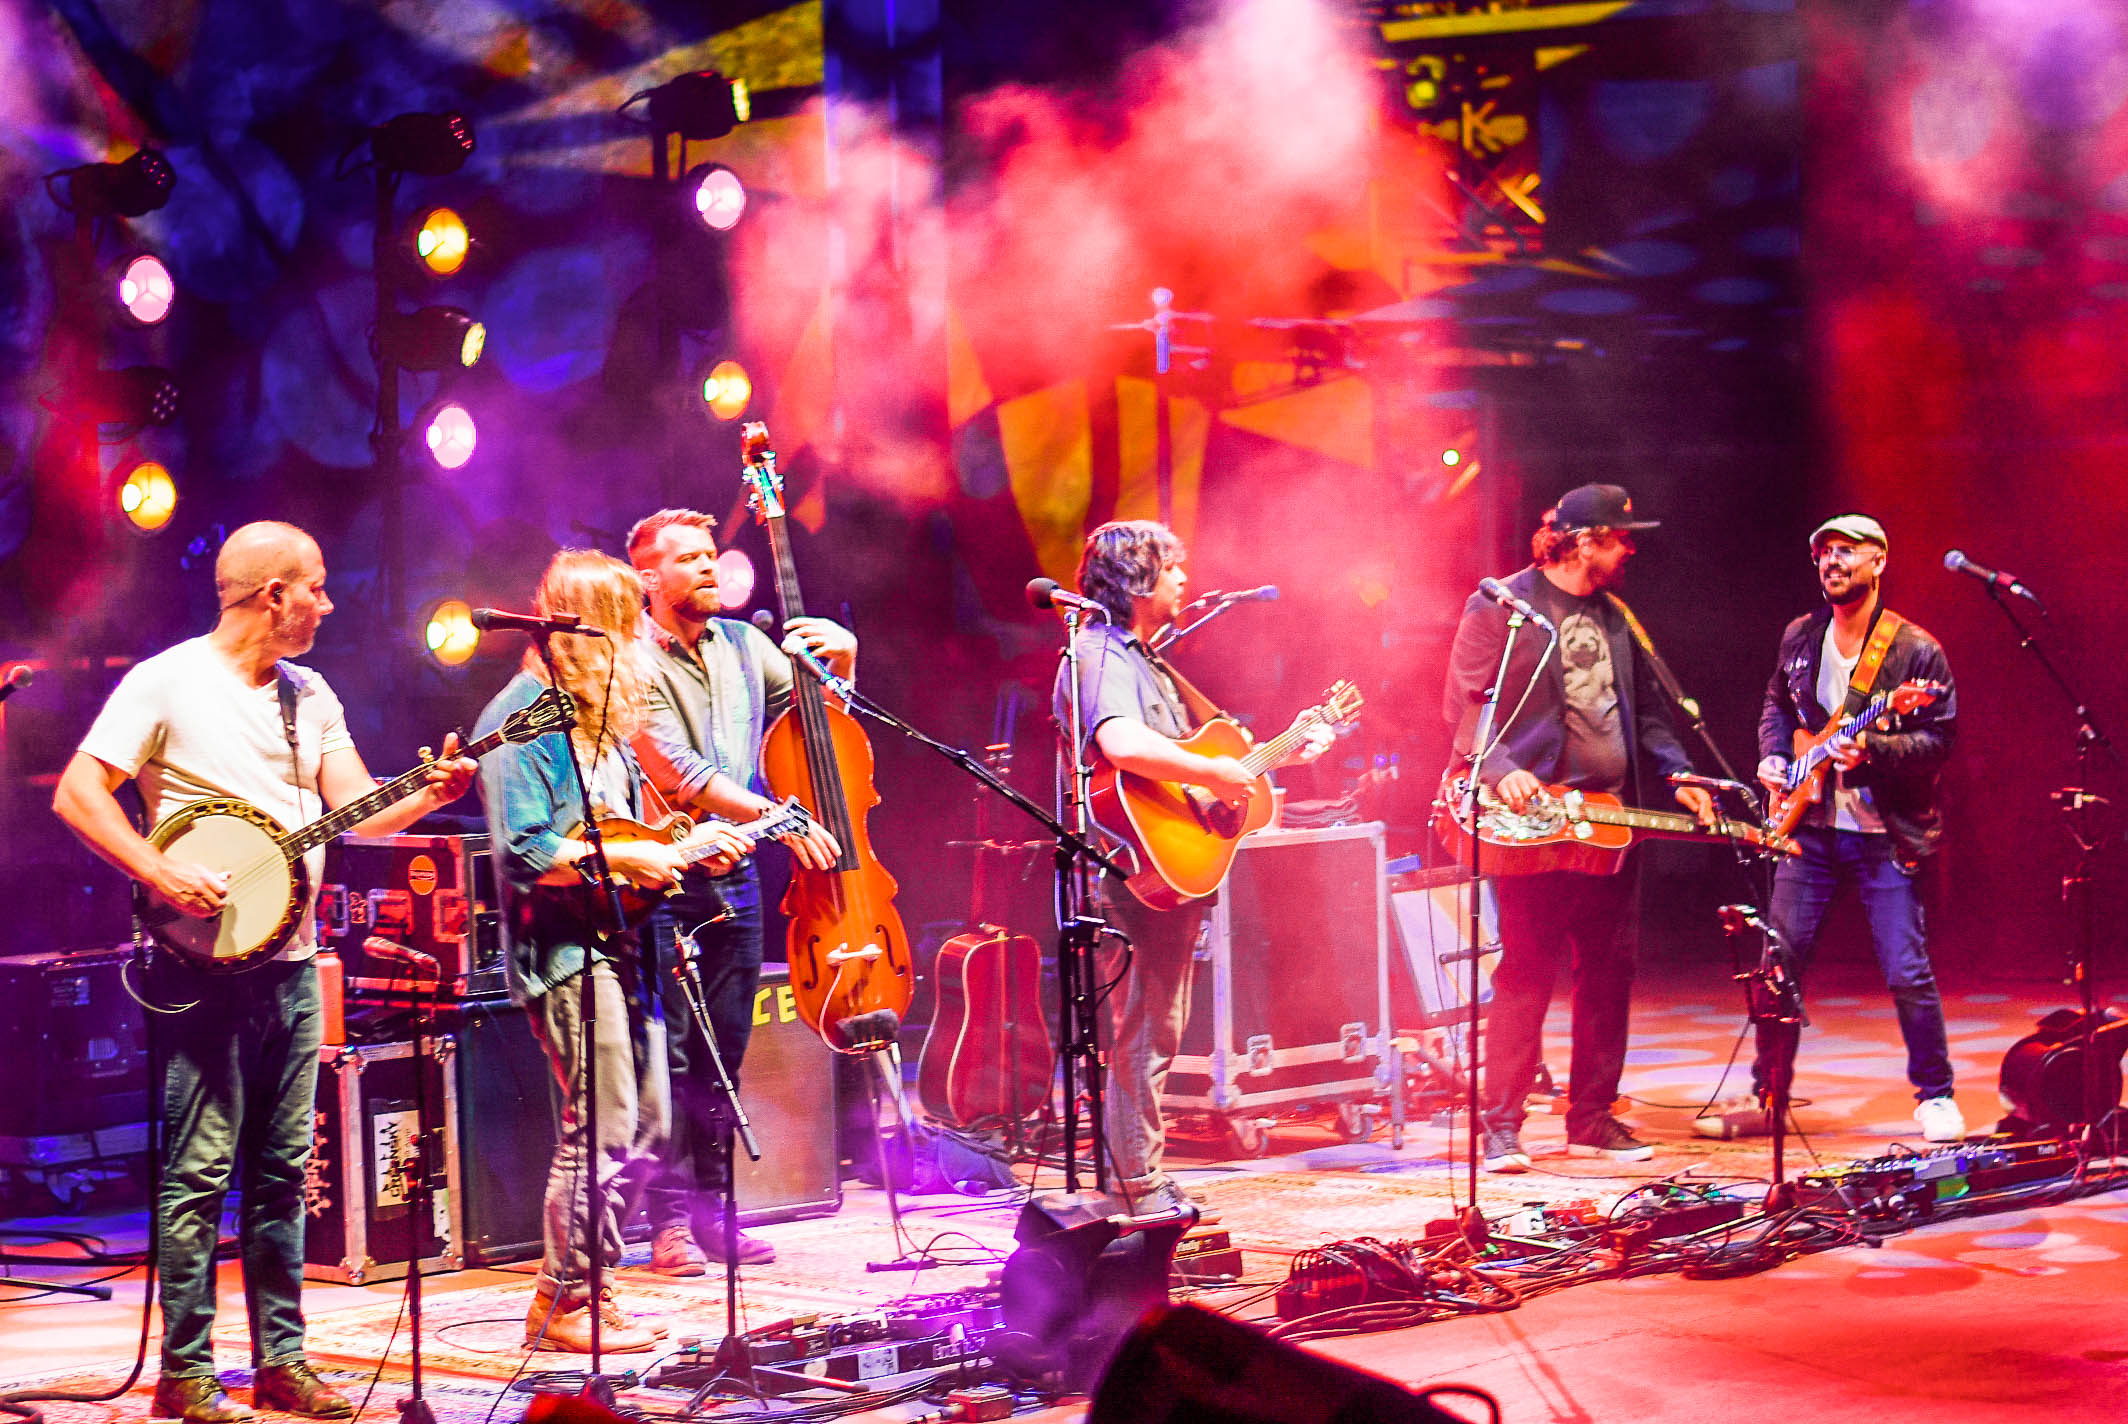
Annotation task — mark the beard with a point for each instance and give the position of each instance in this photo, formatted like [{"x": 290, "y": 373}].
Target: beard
[{"x": 1853, "y": 593}]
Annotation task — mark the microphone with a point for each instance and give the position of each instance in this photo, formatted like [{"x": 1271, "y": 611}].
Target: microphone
[
  {"x": 1048, "y": 593},
  {"x": 532, "y": 623},
  {"x": 1710, "y": 783},
  {"x": 766, "y": 622},
  {"x": 1265, "y": 594},
  {"x": 1956, "y": 561},
  {"x": 1506, "y": 597},
  {"x": 18, "y": 677},
  {"x": 425, "y": 965}
]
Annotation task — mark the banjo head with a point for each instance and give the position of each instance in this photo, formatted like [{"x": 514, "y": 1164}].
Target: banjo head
[{"x": 267, "y": 891}]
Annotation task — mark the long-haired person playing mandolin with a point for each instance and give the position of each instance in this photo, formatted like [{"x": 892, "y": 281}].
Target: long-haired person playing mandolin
[
  {"x": 1135, "y": 713},
  {"x": 1871, "y": 818},
  {"x": 551, "y": 920},
  {"x": 1593, "y": 719},
  {"x": 714, "y": 686},
  {"x": 225, "y": 716}
]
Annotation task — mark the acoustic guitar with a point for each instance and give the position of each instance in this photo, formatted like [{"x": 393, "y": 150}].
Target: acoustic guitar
[
  {"x": 269, "y": 885},
  {"x": 1803, "y": 786},
  {"x": 1564, "y": 828},
  {"x": 1184, "y": 838}
]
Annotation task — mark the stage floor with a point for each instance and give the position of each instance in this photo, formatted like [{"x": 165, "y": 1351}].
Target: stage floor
[{"x": 2008, "y": 1316}]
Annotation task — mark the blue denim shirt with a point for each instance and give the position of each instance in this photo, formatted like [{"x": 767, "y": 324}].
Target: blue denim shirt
[{"x": 529, "y": 793}]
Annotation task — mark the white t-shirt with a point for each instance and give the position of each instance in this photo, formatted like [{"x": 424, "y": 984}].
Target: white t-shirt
[
  {"x": 188, "y": 727},
  {"x": 1852, "y": 808}
]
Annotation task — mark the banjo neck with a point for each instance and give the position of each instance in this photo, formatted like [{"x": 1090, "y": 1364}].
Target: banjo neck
[{"x": 337, "y": 822}]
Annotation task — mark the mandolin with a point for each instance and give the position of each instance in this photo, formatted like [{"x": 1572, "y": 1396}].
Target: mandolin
[{"x": 692, "y": 842}]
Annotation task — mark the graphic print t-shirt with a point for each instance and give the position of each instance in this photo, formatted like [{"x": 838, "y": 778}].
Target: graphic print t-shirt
[{"x": 1594, "y": 757}]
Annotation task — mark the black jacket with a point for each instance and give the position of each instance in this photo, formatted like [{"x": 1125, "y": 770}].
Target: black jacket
[
  {"x": 1536, "y": 738},
  {"x": 1905, "y": 758}
]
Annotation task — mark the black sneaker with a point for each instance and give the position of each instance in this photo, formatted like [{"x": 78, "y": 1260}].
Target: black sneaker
[
  {"x": 1503, "y": 1151},
  {"x": 1609, "y": 1138}
]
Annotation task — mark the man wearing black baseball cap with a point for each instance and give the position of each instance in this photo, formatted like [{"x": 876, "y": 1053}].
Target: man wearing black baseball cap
[
  {"x": 1594, "y": 719},
  {"x": 1876, "y": 820}
]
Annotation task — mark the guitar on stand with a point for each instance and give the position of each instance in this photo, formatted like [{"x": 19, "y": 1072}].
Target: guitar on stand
[{"x": 988, "y": 1058}]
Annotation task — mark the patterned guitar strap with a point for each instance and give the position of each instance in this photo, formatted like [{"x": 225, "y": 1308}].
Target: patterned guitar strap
[{"x": 1871, "y": 663}]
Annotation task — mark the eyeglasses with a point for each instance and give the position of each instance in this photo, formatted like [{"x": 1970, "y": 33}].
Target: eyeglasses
[{"x": 1842, "y": 553}]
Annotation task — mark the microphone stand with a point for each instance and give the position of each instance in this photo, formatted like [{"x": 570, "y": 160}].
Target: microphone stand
[
  {"x": 2077, "y": 886},
  {"x": 1482, "y": 740},
  {"x": 596, "y": 1386},
  {"x": 1079, "y": 930},
  {"x": 415, "y": 1409},
  {"x": 1170, "y": 633}
]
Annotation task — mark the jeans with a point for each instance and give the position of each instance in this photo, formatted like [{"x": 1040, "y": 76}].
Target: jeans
[
  {"x": 634, "y": 1115},
  {"x": 239, "y": 1086},
  {"x": 1547, "y": 923},
  {"x": 1803, "y": 887},
  {"x": 1146, "y": 1016},
  {"x": 695, "y": 1164}
]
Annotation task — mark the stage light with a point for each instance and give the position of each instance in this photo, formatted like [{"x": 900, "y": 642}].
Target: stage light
[
  {"x": 718, "y": 195},
  {"x": 735, "y": 580},
  {"x": 130, "y": 398},
  {"x": 448, "y": 633},
  {"x": 432, "y": 145},
  {"x": 698, "y": 106},
  {"x": 148, "y": 496},
  {"x": 727, "y": 390},
  {"x": 145, "y": 289},
  {"x": 449, "y": 434},
  {"x": 432, "y": 339},
  {"x": 441, "y": 241},
  {"x": 1451, "y": 457},
  {"x": 127, "y": 189}
]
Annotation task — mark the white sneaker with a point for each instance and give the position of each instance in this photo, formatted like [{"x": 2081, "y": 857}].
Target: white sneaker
[{"x": 1940, "y": 1120}]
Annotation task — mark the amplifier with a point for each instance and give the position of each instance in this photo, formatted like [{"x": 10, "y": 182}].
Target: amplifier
[
  {"x": 75, "y": 1044},
  {"x": 358, "y": 1187},
  {"x": 431, "y": 893},
  {"x": 506, "y": 1126}
]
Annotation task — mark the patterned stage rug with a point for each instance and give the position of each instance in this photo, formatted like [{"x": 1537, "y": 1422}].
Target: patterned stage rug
[{"x": 452, "y": 1401}]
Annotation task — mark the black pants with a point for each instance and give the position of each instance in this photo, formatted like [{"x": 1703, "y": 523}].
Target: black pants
[{"x": 1591, "y": 925}]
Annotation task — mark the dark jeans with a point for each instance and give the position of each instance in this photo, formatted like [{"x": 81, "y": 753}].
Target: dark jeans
[
  {"x": 1803, "y": 887},
  {"x": 634, "y": 1115},
  {"x": 1591, "y": 924},
  {"x": 240, "y": 1084},
  {"x": 692, "y": 1172},
  {"x": 1146, "y": 1015}
]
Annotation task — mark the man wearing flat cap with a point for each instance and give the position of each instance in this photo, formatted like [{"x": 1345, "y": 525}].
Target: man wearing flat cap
[
  {"x": 1595, "y": 719},
  {"x": 1877, "y": 819}
]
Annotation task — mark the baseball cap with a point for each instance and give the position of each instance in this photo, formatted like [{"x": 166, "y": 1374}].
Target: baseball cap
[{"x": 1598, "y": 506}]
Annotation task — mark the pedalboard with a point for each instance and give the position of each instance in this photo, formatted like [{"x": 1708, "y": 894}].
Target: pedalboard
[
  {"x": 927, "y": 1333},
  {"x": 1904, "y": 1184}
]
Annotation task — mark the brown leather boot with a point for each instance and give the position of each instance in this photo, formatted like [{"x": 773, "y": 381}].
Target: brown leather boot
[
  {"x": 295, "y": 1388},
  {"x": 198, "y": 1398},
  {"x": 568, "y": 1327}
]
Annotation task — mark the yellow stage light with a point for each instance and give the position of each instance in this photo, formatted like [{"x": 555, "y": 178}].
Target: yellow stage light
[
  {"x": 727, "y": 390},
  {"x": 148, "y": 496},
  {"x": 441, "y": 241},
  {"x": 448, "y": 632}
]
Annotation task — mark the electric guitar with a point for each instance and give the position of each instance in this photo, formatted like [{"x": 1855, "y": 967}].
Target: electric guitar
[
  {"x": 1803, "y": 786},
  {"x": 691, "y": 840},
  {"x": 1567, "y": 829},
  {"x": 1184, "y": 838},
  {"x": 269, "y": 885}
]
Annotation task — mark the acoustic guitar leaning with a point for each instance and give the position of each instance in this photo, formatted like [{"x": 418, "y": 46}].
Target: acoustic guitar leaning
[{"x": 1184, "y": 838}]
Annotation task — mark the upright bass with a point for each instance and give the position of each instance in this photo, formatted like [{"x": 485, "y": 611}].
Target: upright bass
[{"x": 851, "y": 973}]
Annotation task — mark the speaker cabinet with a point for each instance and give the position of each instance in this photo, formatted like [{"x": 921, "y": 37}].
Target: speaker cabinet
[{"x": 75, "y": 1045}]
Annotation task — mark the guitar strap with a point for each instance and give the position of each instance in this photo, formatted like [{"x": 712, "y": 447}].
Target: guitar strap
[
  {"x": 285, "y": 685},
  {"x": 1871, "y": 663},
  {"x": 1201, "y": 707}
]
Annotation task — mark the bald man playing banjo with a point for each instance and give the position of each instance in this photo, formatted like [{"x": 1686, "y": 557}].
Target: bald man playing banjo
[{"x": 224, "y": 716}]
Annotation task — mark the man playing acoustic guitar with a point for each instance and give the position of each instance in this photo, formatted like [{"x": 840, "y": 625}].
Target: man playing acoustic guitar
[
  {"x": 1135, "y": 712},
  {"x": 224, "y": 716},
  {"x": 1595, "y": 719},
  {"x": 1877, "y": 818}
]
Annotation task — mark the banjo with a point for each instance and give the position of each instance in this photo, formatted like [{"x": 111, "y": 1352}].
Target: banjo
[{"x": 269, "y": 885}]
